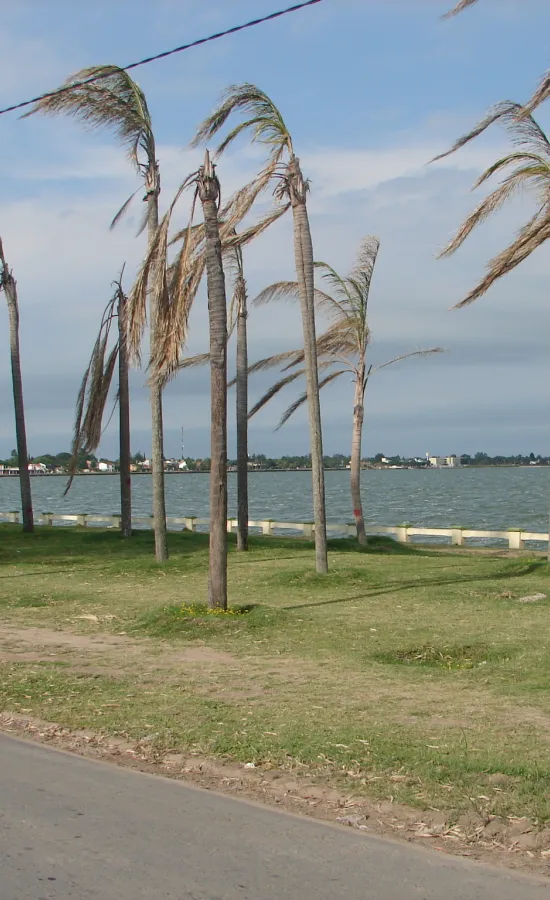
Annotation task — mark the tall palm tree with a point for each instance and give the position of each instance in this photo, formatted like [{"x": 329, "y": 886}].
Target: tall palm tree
[
  {"x": 9, "y": 285},
  {"x": 239, "y": 309},
  {"x": 266, "y": 124},
  {"x": 341, "y": 350},
  {"x": 208, "y": 188},
  {"x": 115, "y": 101}
]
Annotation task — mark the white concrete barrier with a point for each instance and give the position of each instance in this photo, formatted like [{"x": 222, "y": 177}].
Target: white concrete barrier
[{"x": 454, "y": 536}]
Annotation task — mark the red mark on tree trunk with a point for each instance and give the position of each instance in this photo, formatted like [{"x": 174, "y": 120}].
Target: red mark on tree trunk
[{"x": 357, "y": 513}]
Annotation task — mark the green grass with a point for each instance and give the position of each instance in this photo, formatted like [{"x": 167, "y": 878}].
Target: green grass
[{"x": 405, "y": 672}]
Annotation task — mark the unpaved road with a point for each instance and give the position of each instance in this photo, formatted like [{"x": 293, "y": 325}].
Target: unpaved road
[{"x": 73, "y": 829}]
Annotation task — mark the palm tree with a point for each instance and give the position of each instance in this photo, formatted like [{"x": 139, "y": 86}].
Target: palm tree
[
  {"x": 265, "y": 122},
  {"x": 341, "y": 349},
  {"x": 115, "y": 101},
  {"x": 92, "y": 399},
  {"x": 208, "y": 188},
  {"x": 9, "y": 285}
]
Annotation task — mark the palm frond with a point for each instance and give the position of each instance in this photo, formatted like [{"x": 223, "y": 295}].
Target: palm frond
[
  {"x": 122, "y": 211},
  {"x": 529, "y": 238},
  {"x": 303, "y": 398},
  {"x": 191, "y": 362},
  {"x": 541, "y": 94},
  {"x": 114, "y": 102},
  {"x": 523, "y": 128},
  {"x": 486, "y": 208},
  {"x": 464, "y": 4},
  {"x": 274, "y": 390},
  {"x": 409, "y": 355},
  {"x": 288, "y": 290},
  {"x": 263, "y": 119}
]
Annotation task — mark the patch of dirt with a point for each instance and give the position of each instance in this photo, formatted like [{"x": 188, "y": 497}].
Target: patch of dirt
[{"x": 512, "y": 842}]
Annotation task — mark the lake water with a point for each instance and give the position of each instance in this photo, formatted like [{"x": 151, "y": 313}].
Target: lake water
[{"x": 476, "y": 498}]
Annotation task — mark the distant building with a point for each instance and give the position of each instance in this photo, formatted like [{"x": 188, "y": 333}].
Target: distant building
[
  {"x": 37, "y": 469},
  {"x": 106, "y": 466},
  {"x": 444, "y": 462}
]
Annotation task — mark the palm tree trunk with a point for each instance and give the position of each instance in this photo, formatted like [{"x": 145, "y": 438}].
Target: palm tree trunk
[
  {"x": 355, "y": 473},
  {"x": 303, "y": 251},
  {"x": 217, "y": 311},
  {"x": 242, "y": 424},
  {"x": 157, "y": 431},
  {"x": 10, "y": 287},
  {"x": 124, "y": 426}
]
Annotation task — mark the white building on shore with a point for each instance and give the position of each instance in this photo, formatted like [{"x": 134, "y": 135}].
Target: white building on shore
[{"x": 443, "y": 462}]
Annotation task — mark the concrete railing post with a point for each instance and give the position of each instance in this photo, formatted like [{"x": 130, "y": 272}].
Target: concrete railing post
[
  {"x": 402, "y": 534},
  {"x": 307, "y": 529},
  {"x": 514, "y": 540},
  {"x": 231, "y": 525},
  {"x": 115, "y": 521},
  {"x": 81, "y": 521},
  {"x": 456, "y": 537},
  {"x": 190, "y": 523},
  {"x": 267, "y": 528},
  {"x": 47, "y": 518},
  {"x": 13, "y": 516}
]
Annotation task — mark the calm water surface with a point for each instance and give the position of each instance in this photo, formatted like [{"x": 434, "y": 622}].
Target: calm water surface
[{"x": 475, "y": 498}]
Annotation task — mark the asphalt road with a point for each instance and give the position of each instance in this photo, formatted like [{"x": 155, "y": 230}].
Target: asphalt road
[{"x": 73, "y": 829}]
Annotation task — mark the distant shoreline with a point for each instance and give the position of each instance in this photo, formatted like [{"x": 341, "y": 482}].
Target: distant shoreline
[{"x": 279, "y": 471}]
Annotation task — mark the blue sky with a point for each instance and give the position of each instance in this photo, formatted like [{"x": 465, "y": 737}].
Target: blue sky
[{"x": 371, "y": 90}]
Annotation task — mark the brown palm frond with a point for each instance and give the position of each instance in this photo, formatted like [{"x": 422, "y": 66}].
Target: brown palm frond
[
  {"x": 524, "y": 129},
  {"x": 486, "y": 208},
  {"x": 530, "y": 237},
  {"x": 192, "y": 361},
  {"x": 122, "y": 211},
  {"x": 408, "y": 356},
  {"x": 93, "y": 392},
  {"x": 274, "y": 390},
  {"x": 265, "y": 121},
  {"x": 247, "y": 235},
  {"x": 287, "y": 290},
  {"x": 114, "y": 102},
  {"x": 363, "y": 269},
  {"x": 541, "y": 94},
  {"x": 464, "y": 4},
  {"x": 303, "y": 398}
]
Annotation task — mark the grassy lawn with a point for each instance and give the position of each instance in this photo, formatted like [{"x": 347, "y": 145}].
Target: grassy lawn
[{"x": 405, "y": 673}]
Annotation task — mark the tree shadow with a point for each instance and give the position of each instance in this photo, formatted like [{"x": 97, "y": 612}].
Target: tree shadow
[{"x": 397, "y": 587}]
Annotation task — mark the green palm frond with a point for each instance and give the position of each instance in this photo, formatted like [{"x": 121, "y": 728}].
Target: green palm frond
[{"x": 262, "y": 119}]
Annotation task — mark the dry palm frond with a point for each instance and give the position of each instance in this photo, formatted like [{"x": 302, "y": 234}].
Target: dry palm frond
[
  {"x": 523, "y": 128},
  {"x": 529, "y": 238},
  {"x": 493, "y": 202},
  {"x": 541, "y": 94},
  {"x": 115, "y": 102},
  {"x": 264, "y": 121},
  {"x": 464, "y": 4},
  {"x": 274, "y": 390},
  {"x": 192, "y": 361},
  {"x": 287, "y": 290},
  {"x": 303, "y": 398},
  {"x": 529, "y": 166},
  {"x": 403, "y": 356},
  {"x": 93, "y": 392}
]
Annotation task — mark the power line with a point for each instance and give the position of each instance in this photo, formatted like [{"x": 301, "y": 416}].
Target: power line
[{"x": 143, "y": 62}]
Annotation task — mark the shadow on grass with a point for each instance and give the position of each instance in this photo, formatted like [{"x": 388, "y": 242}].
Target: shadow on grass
[{"x": 397, "y": 587}]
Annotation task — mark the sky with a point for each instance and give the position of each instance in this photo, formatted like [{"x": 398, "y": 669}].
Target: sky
[{"x": 371, "y": 91}]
